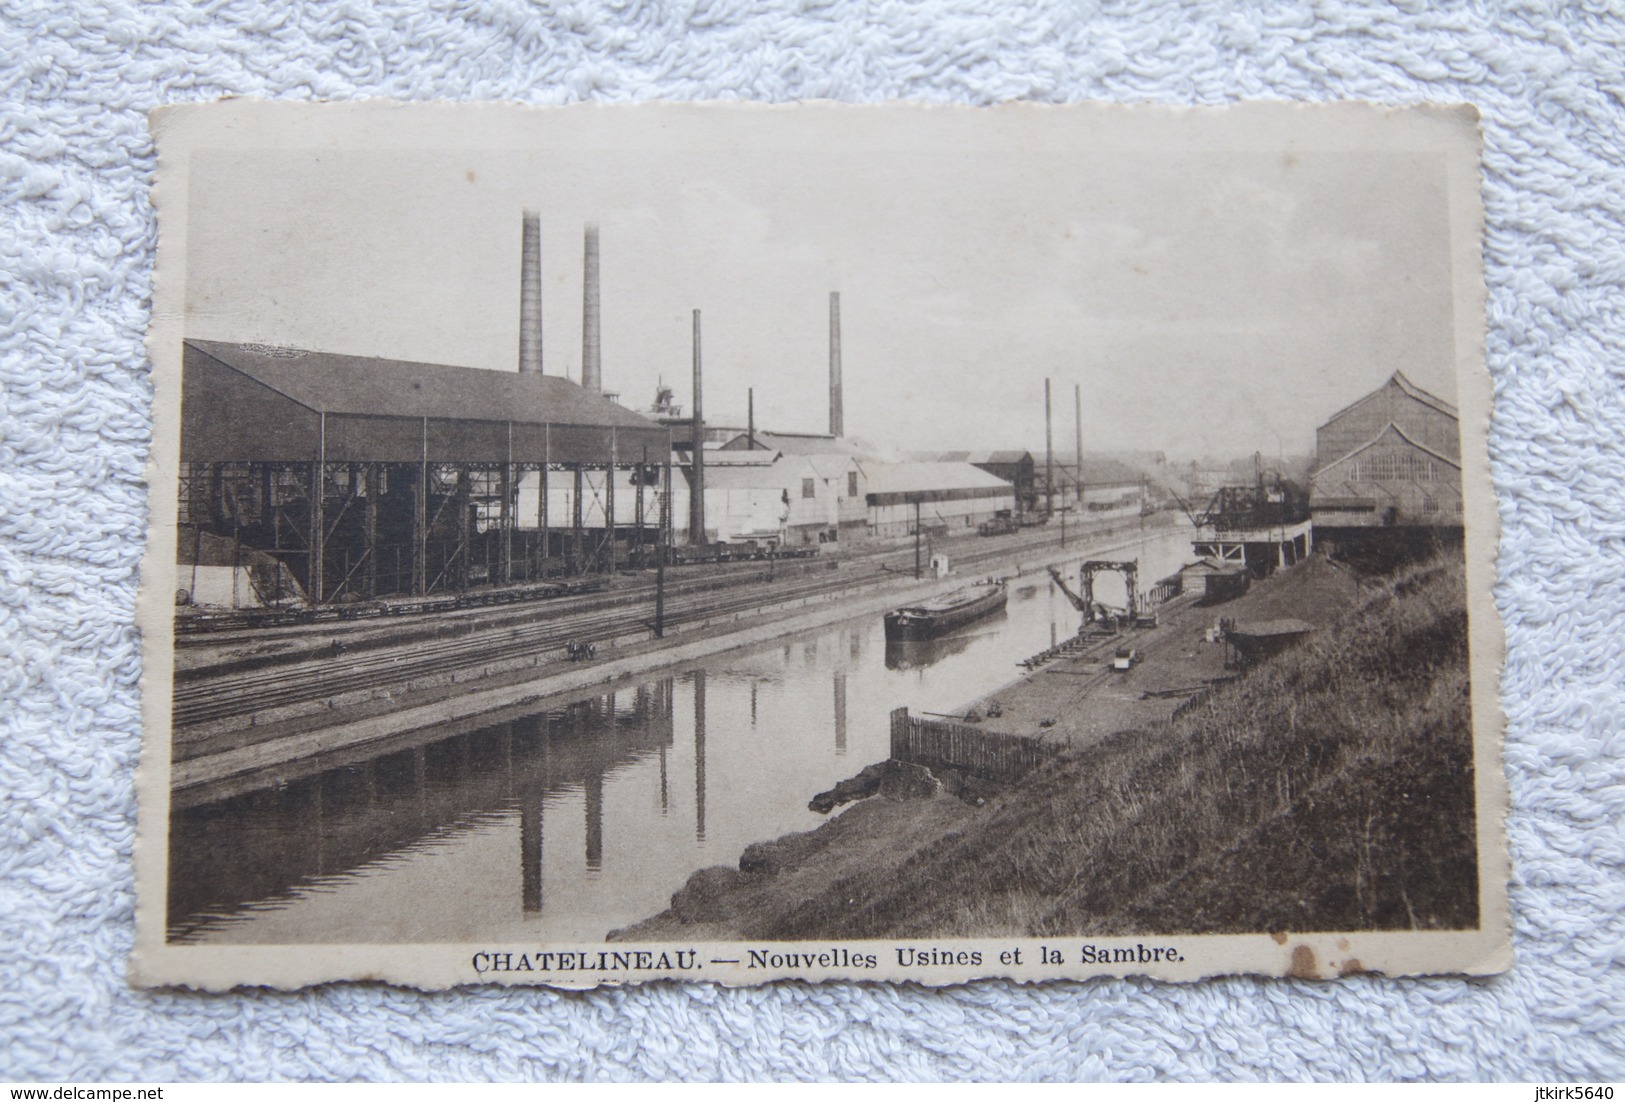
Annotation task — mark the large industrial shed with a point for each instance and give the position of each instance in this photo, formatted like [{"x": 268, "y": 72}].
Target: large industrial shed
[
  {"x": 1390, "y": 460},
  {"x": 370, "y": 477},
  {"x": 1015, "y": 465},
  {"x": 904, "y": 497}
]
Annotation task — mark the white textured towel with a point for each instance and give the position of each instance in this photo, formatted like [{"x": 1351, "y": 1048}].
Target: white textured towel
[{"x": 75, "y": 267}]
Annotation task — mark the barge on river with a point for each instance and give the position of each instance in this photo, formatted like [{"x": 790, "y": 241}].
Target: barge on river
[{"x": 939, "y": 615}]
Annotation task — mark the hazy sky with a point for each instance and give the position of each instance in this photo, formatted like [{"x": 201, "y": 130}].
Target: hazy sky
[{"x": 1212, "y": 289}]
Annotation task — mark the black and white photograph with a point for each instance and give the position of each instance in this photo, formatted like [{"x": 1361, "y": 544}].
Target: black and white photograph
[{"x": 601, "y": 545}]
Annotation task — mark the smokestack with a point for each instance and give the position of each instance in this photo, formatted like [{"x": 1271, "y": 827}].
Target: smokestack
[
  {"x": 696, "y": 498},
  {"x": 592, "y": 376},
  {"x": 1077, "y": 411},
  {"x": 1049, "y": 457},
  {"x": 750, "y": 418},
  {"x": 530, "y": 295},
  {"x": 837, "y": 421}
]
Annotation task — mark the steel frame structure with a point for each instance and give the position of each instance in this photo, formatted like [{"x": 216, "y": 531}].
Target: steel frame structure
[
  {"x": 1130, "y": 571},
  {"x": 415, "y": 529}
]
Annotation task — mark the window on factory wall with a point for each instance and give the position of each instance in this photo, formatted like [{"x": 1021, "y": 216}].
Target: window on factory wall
[
  {"x": 1394, "y": 468},
  {"x": 809, "y": 487},
  {"x": 1429, "y": 505},
  {"x": 851, "y": 483}
]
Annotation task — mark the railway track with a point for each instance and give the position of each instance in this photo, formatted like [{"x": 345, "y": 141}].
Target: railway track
[
  {"x": 200, "y": 702},
  {"x": 204, "y": 699}
]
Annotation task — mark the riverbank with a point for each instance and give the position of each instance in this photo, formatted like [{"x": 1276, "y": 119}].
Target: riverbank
[{"x": 1327, "y": 788}]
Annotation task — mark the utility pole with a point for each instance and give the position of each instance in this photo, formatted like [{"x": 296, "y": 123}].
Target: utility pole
[
  {"x": 1049, "y": 458},
  {"x": 665, "y": 544},
  {"x": 1077, "y": 412},
  {"x": 916, "y": 539},
  {"x": 696, "y": 504}
]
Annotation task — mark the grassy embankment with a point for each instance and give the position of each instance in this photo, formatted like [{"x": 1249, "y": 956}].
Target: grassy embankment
[{"x": 1329, "y": 789}]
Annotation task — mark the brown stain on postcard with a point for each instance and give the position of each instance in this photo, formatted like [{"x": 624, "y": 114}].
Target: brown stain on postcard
[{"x": 1303, "y": 965}]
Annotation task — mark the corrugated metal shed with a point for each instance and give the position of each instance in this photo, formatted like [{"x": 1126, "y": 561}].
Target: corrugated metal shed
[
  {"x": 895, "y": 483},
  {"x": 254, "y": 403}
]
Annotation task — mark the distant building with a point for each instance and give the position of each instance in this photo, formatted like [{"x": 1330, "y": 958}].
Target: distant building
[
  {"x": 1109, "y": 489},
  {"x": 1015, "y": 466},
  {"x": 835, "y": 463},
  {"x": 1390, "y": 460},
  {"x": 843, "y": 481},
  {"x": 933, "y": 497},
  {"x": 789, "y": 443},
  {"x": 751, "y": 499}
]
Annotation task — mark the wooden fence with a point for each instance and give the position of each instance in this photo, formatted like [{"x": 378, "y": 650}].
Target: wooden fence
[
  {"x": 1165, "y": 590},
  {"x": 940, "y": 744}
]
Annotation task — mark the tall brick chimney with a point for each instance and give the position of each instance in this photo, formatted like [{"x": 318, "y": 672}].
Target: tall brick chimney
[
  {"x": 592, "y": 376},
  {"x": 530, "y": 295},
  {"x": 837, "y": 419}
]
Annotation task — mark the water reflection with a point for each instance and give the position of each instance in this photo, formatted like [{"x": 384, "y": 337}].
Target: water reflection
[
  {"x": 343, "y": 819},
  {"x": 699, "y": 755},
  {"x": 840, "y": 712},
  {"x": 573, "y": 821},
  {"x": 919, "y": 654}
]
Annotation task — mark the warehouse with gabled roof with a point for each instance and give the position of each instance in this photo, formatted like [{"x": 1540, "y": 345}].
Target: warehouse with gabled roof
[
  {"x": 370, "y": 477},
  {"x": 1392, "y": 460}
]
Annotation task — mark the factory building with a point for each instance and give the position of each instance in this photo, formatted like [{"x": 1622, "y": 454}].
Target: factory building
[
  {"x": 1108, "y": 490},
  {"x": 1014, "y": 466},
  {"x": 762, "y": 495},
  {"x": 943, "y": 498},
  {"x": 366, "y": 477},
  {"x": 843, "y": 480},
  {"x": 757, "y": 497},
  {"x": 836, "y": 467},
  {"x": 1390, "y": 460}
]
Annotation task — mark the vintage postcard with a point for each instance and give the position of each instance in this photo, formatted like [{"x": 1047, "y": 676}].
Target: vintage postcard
[{"x": 733, "y": 543}]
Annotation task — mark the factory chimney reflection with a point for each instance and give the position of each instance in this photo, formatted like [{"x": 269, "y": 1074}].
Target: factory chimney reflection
[
  {"x": 699, "y": 755},
  {"x": 243, "y": 852},
  {"x": 840, "y": 712}
]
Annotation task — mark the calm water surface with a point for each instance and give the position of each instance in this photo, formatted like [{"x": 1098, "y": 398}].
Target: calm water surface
[{"x": 564, "y": 825}]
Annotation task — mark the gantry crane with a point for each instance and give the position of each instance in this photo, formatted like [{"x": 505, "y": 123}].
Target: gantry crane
[{"x": 1092, "y": 610}]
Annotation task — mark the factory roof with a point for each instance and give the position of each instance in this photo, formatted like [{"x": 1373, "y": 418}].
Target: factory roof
[
  {"x": 830, "y": 465},
  {"x": 716, "y": 457},
  {"x": 906, "y": 478},
  {"x": 796, "y": 443},
  {"x": 333, "y": 382},
  {"x": 242, "y": 402},
  {"x": 1410, "y": 389},
  {"x": 1008, "y": 457}
]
